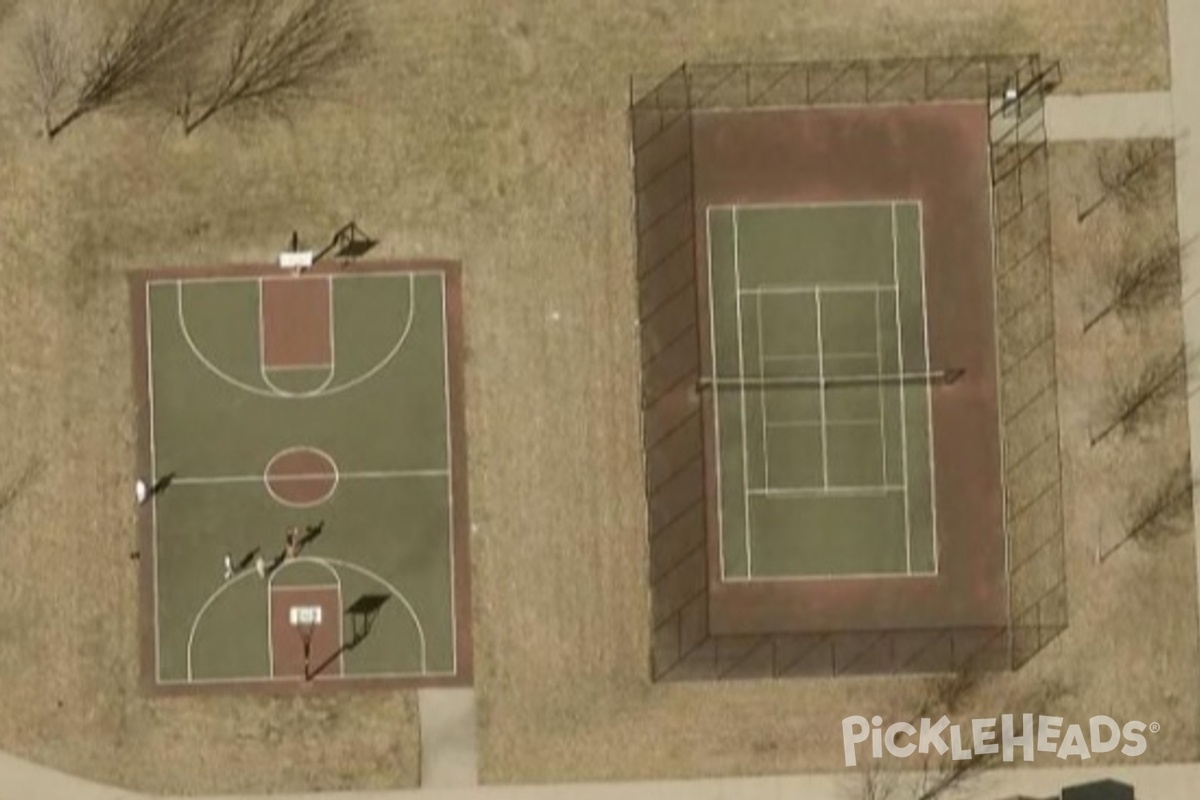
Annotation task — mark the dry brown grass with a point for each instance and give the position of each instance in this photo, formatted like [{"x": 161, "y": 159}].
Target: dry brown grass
[{"x": 493, "y": 132}]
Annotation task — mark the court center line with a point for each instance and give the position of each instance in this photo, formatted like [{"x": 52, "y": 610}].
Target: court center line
[
  {"x": 821, "y": 394},
  {"x": 220, "y": 479},
  {"x": 737, "y": 277},
  {"x": 716, "y": 399},
  {"x": 903, "y": 408},
  {"x": 762, "y": 395}
]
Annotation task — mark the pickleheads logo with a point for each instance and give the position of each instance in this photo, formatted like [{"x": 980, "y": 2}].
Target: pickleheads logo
[{"x": 995, "y": 737}]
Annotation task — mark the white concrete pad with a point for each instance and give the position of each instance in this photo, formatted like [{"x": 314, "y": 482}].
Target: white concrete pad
[{"x": 449, "y": 755}]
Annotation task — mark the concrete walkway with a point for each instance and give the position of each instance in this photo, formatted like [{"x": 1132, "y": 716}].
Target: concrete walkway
[
  {"x": 1109, "y": 116},
  {"x": 1092, "y": 117}
]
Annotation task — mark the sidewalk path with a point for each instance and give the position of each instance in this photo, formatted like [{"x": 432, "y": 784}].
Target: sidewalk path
[{"x": 1109, "y": 116}]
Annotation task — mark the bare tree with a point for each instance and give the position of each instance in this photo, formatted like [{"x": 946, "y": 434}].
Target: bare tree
[
  {"x": 1131, "y": 403},
  {"x": 1131, "y": 175},
  {"x": 274, "y": 57},
  {"x": 1135, "y": 284},
  {"x": 134, "y": 53},
  {"x": 46, "y": 52},
  {"x": 1160, "y": 512}
]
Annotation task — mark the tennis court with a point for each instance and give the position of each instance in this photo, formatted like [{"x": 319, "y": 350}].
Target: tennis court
[
  {"x": 821, "y": 381},
  {"x": 324, "y": 407}
]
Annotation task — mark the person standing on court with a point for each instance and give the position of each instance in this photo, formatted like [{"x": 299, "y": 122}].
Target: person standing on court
[
  {"x": 292, "y": 542},
  {"x": 228, "y": 566}
]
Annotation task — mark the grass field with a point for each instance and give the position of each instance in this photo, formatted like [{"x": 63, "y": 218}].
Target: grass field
[{"x": 495, "y": 134}]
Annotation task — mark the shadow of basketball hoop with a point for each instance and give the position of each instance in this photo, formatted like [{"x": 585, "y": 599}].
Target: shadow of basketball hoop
[
  {"x": 350, "y": 242},
  {"x": 362, "y": 613}
]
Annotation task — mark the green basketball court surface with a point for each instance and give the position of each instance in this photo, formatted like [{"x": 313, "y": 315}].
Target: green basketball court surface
[{"x": 325, "y": 405}]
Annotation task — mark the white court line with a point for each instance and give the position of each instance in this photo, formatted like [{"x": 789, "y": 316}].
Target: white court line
[
  {"x": 903, "y": 411},
  {"x": 262, "y": 333},
  {"x": 298, "y": 367},
  {"x": 842, "y": 576},
  {"x": 262, "y": 349},
  {"x": 332, "y": 325},
  {"x": 716, "y": 399},
  {"x": 270, "y": 634},
  {"x": 327, "y": 392},
  {"x": 260, "y": 679},
  {"x": 220, "y": 479},
  {"x": 821, "y": 391},
  {"x": 737, "y": 277},
  {"x": 266, "y": 477},
  {"x": 882, "y": 405},
  {"x": 814, "y": 423},
  {"x": 395, "y": 593},
  {"x": 827, "y": 204},
  {"x": 928, "y": 390},
  {"x": 834, "y": 356},
  {"x": 827, "y": 491},
  {"x": 328, "y": 563},
  {"x": 812, "y": 288},
  {"x": 304, "y": 587},
  {"x": 762, "y": 396},
  {"x": 153, "y": 481},
  {"x": 271, "y": 604},
  {"x": 220, "y": 590},
  {"x": 291, "y": 278},
  {"x": 449, "y": 476}
]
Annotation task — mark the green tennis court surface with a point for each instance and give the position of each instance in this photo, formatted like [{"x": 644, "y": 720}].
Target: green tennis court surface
[
  {"x": 823, "y": 407},
  {"x": 319, "y": 404}
]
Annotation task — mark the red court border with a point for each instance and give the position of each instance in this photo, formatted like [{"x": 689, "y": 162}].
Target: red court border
[
  {"x": 138, "y": 282},
  {"x": 937, "y": 154}
]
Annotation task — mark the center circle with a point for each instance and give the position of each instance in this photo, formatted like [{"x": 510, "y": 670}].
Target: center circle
[{"x": 301, "y": 477}]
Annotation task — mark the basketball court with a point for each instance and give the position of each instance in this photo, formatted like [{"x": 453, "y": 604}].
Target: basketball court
[{"x": 326, "y": 404}]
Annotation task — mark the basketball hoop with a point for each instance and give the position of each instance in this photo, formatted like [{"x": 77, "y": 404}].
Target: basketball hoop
[
  {"x": 305, "y": 619},
  {"x": 297, "y": 261},
  {"x": 294, "y": 259}
]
